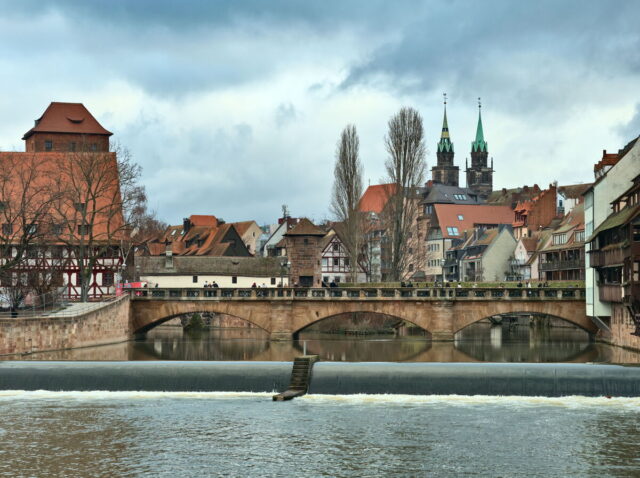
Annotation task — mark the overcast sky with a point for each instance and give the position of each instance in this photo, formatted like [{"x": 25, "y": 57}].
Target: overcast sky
[{"x": 234, "y": 108}]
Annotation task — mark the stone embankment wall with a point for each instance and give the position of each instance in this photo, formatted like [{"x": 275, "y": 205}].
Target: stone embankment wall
[
  {"x": 622, "y": 326},
  {"x": 105, "y": 325}
]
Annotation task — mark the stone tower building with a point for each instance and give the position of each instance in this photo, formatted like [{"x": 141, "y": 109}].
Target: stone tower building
[
  {"x": 445, "y": 172},
  {"x": 480, "y": 174}
]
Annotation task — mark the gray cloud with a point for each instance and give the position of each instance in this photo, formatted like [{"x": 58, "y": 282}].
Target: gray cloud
[
  {"x": 234, "y": 108},
  {"x": 631, "y": 129}
]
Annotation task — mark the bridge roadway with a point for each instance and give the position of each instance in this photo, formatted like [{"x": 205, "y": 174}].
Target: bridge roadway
[{"x": 283, "y": 312}]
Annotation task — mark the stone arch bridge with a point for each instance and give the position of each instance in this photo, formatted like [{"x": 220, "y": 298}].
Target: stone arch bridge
[{"x": 284, "y": 312}]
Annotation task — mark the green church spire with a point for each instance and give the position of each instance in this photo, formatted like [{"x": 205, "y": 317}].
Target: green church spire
[
  {"x": 445, "y": 145},
  {"x": 479, "y": 145}
]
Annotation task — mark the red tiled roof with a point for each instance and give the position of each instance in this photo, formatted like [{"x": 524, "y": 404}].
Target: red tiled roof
[
  {"x": 203, "y": 220},
  {"x": 305, "y": 228},
  {"x": 608, "y": 159},
  {"x": 471, "y": 214},
  {"x": 67, "y": 118},
  {"x": 375, "y": 197},
  {"x": 243, "y": 226}
]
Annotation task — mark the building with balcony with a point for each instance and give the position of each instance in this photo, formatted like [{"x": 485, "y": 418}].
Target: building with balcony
[
  {"x": 562, "y": 253},
  {"x": 486, "y": 253},
  {"x": 610, "y": 258},
  {"x": 615, "y": 256}
]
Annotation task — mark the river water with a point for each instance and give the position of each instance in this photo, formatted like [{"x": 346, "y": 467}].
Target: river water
[
  {"x": 96, "y": 434},
  {"x": 476, "y": 343},
  {"x": 165, "y": 434}
]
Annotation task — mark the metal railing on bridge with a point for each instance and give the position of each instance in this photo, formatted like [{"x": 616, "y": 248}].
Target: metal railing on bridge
[{"x": 358, "y": 293}]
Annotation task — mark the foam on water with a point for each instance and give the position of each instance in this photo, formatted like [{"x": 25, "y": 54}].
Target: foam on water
[{"x": 569, "y": 402}]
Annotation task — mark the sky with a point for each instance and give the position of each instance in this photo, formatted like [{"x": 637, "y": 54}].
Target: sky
[{"x": 234, "y": 108}]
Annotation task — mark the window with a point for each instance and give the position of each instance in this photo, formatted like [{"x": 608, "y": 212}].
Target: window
[
  {"x": 81, "y": 207},
  {"x": 346, "y": 261},
  {"x": 559, "y": 238},
  {"x": 56, "y": 229},
  {"x": 84, "y": 229},
  {"x": 7, "y": 229},
  {"x": 410, "y": 267},
  {"x": 579, "y": 236},
  {"x": 306, "y": 241},
  {"x": 428, "y": 209},
  {"x": 234, "y": 280},
  {"x": 273, "y": 281},
  {"x": 460, "y": 217},
  {"x": 195, "y": 279},
  {"x": 3, "y": 205},
  {"x": 107, "y": 279},
  {"x": 336, "y": 261},
  {"x": 48, "y": 145},
  {"x": 453, "y": 231},
  {"x": 636, "y": 233},
  {"x": 459, "y": 197},
  {"x": 72, "y": 146},
  {"x": 32, "y": 228},
  {"x": 94, "y": 147},
  {"x": 336, "y": 246},
  {"x": 325, "y": 262}
]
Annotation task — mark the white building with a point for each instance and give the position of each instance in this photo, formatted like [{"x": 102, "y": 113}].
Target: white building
[{"x": 613, "y": 175}]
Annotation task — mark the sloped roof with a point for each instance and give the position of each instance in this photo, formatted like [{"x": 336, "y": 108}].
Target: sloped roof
[
  {"x": 443, "y": 193},
  {"x": 305, "y": 228},
  {"x": 243, "y": 226},
  {"x": 208, "y": 265},
  {"x": 616, "y": 220},
  {"x": 471, "y": 214},
  {"x": 203, "y": 220},
  {"x": 375, "y": 197},
  {"x": 574, "y": 191},
  {"x": 67, "y": 118}
]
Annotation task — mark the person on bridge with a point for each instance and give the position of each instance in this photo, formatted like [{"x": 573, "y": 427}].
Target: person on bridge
[
  {"x": 253, "y": 286},
  {"x": 215, "y": 284}
]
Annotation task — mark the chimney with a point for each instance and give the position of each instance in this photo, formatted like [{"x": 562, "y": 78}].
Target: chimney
[
  {"x": 168, "y": 257},
  {"x": 186, "y": 225}
]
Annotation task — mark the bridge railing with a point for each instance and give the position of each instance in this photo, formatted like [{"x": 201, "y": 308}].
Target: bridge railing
[{"x": 358, "y": 293}]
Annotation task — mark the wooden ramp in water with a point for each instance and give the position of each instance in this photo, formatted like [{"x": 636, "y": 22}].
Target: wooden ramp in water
[{"x": 300, "y": 378}]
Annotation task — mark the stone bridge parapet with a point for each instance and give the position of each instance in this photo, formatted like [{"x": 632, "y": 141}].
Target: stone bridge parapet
[{"x": 283, "y": 312}]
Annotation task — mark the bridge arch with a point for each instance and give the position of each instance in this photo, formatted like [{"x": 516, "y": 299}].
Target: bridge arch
[
  {"x": 573, "y": 313},
  {"x": 149, "y": 314},
  {"x": 332, "y": 315}
]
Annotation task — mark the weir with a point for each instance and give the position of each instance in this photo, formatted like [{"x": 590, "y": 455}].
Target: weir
[{"x": 338, "y": 378}]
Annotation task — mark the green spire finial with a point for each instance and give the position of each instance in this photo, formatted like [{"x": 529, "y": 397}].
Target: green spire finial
[
  {"x": 445, "y": 144},
  {"x": 479, "y": 145}
]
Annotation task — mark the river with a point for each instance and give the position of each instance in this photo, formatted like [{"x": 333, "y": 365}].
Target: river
[
  {"x": 45, "y": 434},
  {"x": 477, "y": 343}
]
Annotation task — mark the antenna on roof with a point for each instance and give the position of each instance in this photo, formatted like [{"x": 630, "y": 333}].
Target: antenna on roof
[
  {"x": 479, "y": 103},
  {"x": 445, "y": 98}
]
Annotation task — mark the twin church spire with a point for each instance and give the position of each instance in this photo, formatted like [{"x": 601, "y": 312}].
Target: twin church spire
[{"x": 479, "y": 175}]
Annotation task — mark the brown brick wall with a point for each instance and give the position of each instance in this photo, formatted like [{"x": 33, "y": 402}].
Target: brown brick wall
[
  {"x": 108, "y": 324},
  {"x": 61, "y": 142},
  {"x": 544, "y": 210},
  {"x": 304, "y": 258}
]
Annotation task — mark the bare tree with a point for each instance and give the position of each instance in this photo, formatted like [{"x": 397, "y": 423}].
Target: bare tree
[
  {"x": 25, "y": 202},
  {"x": 94, "y": 194},
  {"x": 405, "y": 169},
  {"x": 347, "y": 190}
]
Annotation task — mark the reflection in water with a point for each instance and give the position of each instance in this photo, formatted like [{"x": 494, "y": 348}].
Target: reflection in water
[{"x": 479, "y": 342}]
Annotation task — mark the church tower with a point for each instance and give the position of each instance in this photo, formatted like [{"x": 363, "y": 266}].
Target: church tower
[
  {"x": 445, "y": 172},
  {"x": 480, "y": 174}
]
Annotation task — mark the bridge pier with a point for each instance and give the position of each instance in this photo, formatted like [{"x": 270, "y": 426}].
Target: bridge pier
[
  {"x": 442, "y": 336},
  {"x": 280, "y": 336}
]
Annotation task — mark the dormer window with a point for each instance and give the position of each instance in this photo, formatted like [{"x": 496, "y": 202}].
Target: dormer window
[
  {"x": 560, "y": 238},
  {"x": 48, "y": 145}
]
